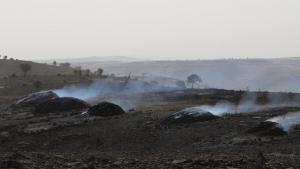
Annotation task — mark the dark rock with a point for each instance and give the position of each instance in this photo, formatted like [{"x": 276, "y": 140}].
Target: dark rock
[
  {"x": 61, "y": 104},
  {"x": 267, "y": 128},
  {"x": 105, "y": 109},
  {"x": 34, "y": 99},
  {"x": 188, "y": 115}
]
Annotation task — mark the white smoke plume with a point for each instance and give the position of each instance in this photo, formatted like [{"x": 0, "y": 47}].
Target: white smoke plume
[
  {"x": 248, "y": 104},
  {"x": 287, "y": 121},
  {"x": 105, "y": 88},
  {"x": 112, "y": 90}
]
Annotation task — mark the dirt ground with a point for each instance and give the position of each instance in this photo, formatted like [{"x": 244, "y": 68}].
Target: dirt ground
[{"x": 138, "y": 139}]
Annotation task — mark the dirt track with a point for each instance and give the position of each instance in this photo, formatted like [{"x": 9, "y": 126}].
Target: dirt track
[{"x": 139, "y": 140}]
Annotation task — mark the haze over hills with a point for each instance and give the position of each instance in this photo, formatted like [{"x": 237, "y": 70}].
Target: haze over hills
[{"x": 282, "y": 74}]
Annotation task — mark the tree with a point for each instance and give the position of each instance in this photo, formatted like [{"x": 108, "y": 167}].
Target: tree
[
  {"x": 65, "y": 64},
  {"x": 78, "y": 71},
  {"x": 180, "y": 84},
  {"x": 5, "y": 57},
  {"x": 25, "y": 68},
  {"x": 194, "y": 78},
  {"x": 54, "y": 63},
  {"x": 87, "y": 72},
  {"x": 100, "y": 72}
]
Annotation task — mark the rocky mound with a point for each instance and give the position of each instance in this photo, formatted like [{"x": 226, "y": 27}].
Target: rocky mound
[
  {"x": 267, "y": 128},
  {"x": 105, "y": 109},
  {"x": 188, "y": 115},
  {"x": 61, "y": 104},
  {"x": 34, "y": 99}
]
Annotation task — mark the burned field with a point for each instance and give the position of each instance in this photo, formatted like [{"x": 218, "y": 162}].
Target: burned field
[{"x": 221, "y": 136}]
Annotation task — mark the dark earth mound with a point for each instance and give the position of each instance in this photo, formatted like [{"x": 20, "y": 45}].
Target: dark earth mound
[
  {"x": 189, "y": 115},
  {"x": 34, "y": 99},
  {"x": 267, "y": 128},
  {"x": 105, "y": 109},
  {"x": 61, "y": 104}
]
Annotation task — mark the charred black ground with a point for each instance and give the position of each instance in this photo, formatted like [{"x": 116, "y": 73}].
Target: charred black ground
[
  {"x": 139, "y": 139},
  {"x": 267, "y": 128}
]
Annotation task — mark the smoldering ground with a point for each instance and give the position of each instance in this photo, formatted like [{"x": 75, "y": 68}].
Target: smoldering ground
[
  {"x": 249, "y": 104},
  {"x": 287, "y": 121},
  {"x": 111, "y": 90}
]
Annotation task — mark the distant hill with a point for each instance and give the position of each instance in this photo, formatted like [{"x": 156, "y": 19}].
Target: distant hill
[
  {"x": 94, "y": 62},
  {"x": 254, "y": 74},
  {"x": 9, "y": 67},
  {"x": 104, "y": 59}
]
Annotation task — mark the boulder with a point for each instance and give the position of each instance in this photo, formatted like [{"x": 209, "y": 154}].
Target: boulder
[
  {"x": 189, "y": 115},
  {"x": 34, "y": 99},
  {"x": 61, "y": 104},
  {"x": 105, "y": 109},
  {"x": 267, "y": 128}
]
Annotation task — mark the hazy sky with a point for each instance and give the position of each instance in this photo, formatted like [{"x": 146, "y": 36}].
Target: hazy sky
[{"x": 166, "y": 29}]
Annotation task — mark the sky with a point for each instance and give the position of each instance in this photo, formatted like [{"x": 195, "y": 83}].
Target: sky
[{"x": 150, "y": 29}]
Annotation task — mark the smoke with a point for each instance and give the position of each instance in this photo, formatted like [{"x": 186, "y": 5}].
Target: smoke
[
  {"x": 287, "y": 121},
  {"x": 249, "y": 104},
  {"x": 106, "y": 87},
  {"x": 246, "y": 104},
  {"x": 220, "y": 108},
  {"x": 236, "y": 74},
  {"x": 281, "y": 99},
  {"x": 113, "y": 90}
]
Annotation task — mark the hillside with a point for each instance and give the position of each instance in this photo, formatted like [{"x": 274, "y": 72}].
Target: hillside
[
  {"x": 254, "y": 74},
  {"x": 9, "y": 67}
]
